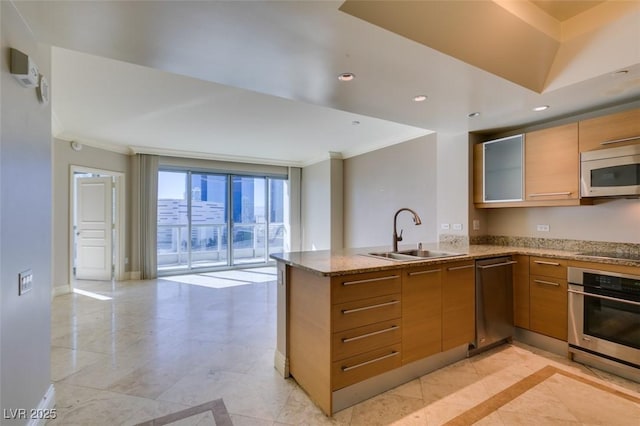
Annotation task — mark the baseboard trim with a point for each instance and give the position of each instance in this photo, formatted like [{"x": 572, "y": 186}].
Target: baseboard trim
[
  {"x": 549, "y": 344},
  {"x": 358, "y": 392},
  {"x": 281, "y": 363},
  {"x": 60, "y": 290},
  {"x": 45, "y": 410},
  {"x": 135, "y": 275}
]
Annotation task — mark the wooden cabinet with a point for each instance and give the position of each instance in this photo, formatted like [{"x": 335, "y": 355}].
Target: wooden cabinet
[
  {"x": 366, "y": 325},
  {"x": 551, "y": 175},
  {"x": 458, "y": 304},
  {"x": 342, "y": 329},
  {"x": 349, "y": 328},
  {"x": 552, "y": 164},
  {"x": 548, "y": 297},
  {"x": 610, "y": 131},
  {"x": 521, "y": 291},
  {"x": 499, "y": 171},
  {"x": 421, "y": 312}
]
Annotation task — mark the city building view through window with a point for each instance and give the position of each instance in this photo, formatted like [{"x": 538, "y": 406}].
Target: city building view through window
[{"x": 198, "y": 212}]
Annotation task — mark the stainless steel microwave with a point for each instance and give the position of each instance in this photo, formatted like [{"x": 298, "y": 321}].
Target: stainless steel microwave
[{"x": 611, "y": 172}]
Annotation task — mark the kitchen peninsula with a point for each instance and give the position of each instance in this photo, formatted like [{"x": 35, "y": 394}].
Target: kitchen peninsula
[{"x": 351, "y": 326}]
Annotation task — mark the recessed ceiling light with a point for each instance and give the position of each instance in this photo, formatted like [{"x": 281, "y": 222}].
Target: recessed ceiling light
[
  {"x": 355, "y": 122},
  {"x": 619, "y": 73},
  {"x": 541, "y": 108},
  {"x": 346, "y": 76},
  {"x": 420, "y": 98},
  {"x": 473, "y": 114}
]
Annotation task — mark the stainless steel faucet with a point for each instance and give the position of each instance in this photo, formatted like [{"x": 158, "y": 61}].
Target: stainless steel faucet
[{"x": 396, "y": 237}]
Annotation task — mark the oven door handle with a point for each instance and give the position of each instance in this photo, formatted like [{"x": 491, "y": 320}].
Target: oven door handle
[{"x": 614, "y": 299}]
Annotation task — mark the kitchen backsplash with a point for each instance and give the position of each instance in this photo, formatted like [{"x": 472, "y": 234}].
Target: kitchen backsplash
[{"x": 556, "y": 244}]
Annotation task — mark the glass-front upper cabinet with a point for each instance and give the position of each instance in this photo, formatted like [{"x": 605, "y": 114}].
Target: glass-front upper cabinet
[{"x": 503, "y": 169}]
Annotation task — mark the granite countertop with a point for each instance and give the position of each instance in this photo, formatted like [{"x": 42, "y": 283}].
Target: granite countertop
[{"x": 348, "y": 261}]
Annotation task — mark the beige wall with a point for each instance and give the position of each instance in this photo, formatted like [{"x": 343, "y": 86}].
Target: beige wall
[
  {"x": 316, "y": 206},
  {"x": 25, "y": 225},
  {"x": 378, "y": 183},
  {"x": 610, "y": 220},
  {"x": 92, "y": 158},
  {"x": 454, "y": 180}
]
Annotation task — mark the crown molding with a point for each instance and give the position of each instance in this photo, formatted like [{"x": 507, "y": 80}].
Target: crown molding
[{"x": 209, "y": 156}]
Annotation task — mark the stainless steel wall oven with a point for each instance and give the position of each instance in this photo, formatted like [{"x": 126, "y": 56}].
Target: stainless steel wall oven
[{"x": 604, "y": 320}]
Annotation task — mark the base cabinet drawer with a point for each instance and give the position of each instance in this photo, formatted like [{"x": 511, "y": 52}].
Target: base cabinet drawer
[
  {"x": 363, "y": 312},
  {"x": 354, "y": 287},
  {"x": 364, "y": 339},
  {"x": 548, "y": 267},
  {"x": 548, "y": 306},
  {"x": 355, "y": 369}
]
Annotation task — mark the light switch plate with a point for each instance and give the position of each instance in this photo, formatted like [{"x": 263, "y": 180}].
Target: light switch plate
[
  {"x": 25, "y": 282},
  {"x": 457, "y": 227},
  {"x": 444, "y": 226},
  {"x": 476, "y": 224},
  {"x": 542, "y": 228}
]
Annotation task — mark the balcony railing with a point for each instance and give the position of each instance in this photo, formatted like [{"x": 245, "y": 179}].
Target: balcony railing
[{"x": 207, "y": 245}]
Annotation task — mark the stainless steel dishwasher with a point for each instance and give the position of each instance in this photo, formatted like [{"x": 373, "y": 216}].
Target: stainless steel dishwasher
[{"x": 494, "y": 302}]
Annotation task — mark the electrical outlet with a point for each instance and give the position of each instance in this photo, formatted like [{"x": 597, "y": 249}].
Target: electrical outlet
[
  {"x": 444, "y": 226},
  {"x": 25, "y": 282},
  {"x": 476, "y": 225},
  {"x": 543, "y": 228},
  {"x": 457, "y": 227}
]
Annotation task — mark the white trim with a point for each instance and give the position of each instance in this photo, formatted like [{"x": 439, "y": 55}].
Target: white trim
[
  {"x": 281, "y": 364},
  {"x": 60, "y": 290},
  {"x": 119, "y": 220},
  {"x": 348, "y": 153},
  {"x": 106, "y": 146},
  {"x": 121, "y": 230},
  {"x": 210, "y": 156},
  {"x": 135, "y": 276},
  {"x": 47, "y": 404}
]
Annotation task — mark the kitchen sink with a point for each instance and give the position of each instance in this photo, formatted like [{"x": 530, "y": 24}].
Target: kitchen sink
[{"x": 412, "y": 255}]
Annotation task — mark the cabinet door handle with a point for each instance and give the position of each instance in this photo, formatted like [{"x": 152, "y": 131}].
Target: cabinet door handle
[
  {"x": 549, "y": 194},
  {"x": 456, "y": 268},
  {"x": 373, "y": 333},
  {"x": 633, "y": 138},
  {"x": 371, "y": 280},
  {"x": 497, "y": 265},
  {"x": 366, "y": 308},
  {"x": 542, "y": 262},
  {"x": 546, "y": 283},
  {"x": 362, "y": 364},
  {"x": 432, "y": 271}
]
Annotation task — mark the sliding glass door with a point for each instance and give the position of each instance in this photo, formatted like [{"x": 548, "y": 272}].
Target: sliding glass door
[
  {"x": 173, "y": 221},
  {"x": 208, "y": 220},
  {"x": 249, "y": 219},
  {"x": 198, "y": 212}
]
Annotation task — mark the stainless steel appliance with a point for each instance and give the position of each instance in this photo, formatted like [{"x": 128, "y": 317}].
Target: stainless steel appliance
[
  {"x": 494, "y": 302},
  {"x": 604, "y": 320},
  {"x": 610, "y": 172}
]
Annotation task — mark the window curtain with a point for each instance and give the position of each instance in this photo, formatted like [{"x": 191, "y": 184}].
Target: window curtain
[{"x": 147, "y": 214}]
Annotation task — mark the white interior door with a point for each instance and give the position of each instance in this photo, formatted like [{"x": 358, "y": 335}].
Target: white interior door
[{"x": 94, "y": 221}]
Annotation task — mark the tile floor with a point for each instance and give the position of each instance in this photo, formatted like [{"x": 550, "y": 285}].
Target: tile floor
[{"x": 150, "y": 348}]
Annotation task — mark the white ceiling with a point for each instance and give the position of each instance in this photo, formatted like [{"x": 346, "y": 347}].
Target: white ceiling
[{"x": 257, "y": 81}]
